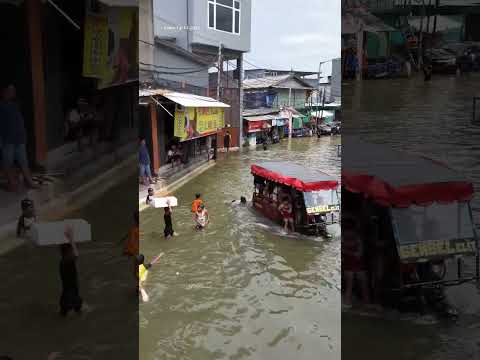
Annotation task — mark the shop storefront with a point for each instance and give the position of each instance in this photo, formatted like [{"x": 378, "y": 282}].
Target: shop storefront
[
  {"x": 282, "y": 126},
  {"x": 49, "y": 50},
  {"x": 257, "y": 127},
  {"x": 185, "y": 124}
]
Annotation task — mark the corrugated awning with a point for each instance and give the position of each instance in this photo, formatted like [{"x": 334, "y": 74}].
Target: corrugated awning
[
  {"x": 260, "y": 118},
  {"x": 186, "y": 100},
  {"x": 121, "y": 3}
]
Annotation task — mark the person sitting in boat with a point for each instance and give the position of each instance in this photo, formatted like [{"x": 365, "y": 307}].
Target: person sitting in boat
[
  {"x": 201, "y": 218},
  {"x": 286, "y": 210}
]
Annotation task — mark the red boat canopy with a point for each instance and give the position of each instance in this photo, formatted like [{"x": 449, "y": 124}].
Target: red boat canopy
[
  {"x": 394, "y": 178},
  {"x": 296, "y": 176}
]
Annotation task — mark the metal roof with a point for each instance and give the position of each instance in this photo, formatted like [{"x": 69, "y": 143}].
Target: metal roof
[
  {"x": 394, "y": 167},
  {"x": 358, "y": 19},
  {"x": 259, "y": 111},
  {"x": 260, "y": 118},
  {"x": 186, "y": 100},
  {"x": 273, "y": 81},
  {"x": 293, "y": 174}
]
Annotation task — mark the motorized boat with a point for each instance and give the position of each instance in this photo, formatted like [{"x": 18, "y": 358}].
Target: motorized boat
[
  {"x": 312, "y": 194},
  {"x": 417, "y": 215}
]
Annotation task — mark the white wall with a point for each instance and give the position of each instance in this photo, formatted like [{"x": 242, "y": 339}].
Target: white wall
[
  {"x": 205, "y": 35},
  {"x": 170, "y": 16}
]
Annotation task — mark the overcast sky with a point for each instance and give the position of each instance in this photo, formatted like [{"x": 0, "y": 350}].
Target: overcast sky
[{"x": 296, "y": 34}]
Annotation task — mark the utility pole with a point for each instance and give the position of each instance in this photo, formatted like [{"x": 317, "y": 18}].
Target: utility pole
[
  {"x": 319, "y": 77},
  {"x": 240, "y": 88},
  {"x": 437, "y": 4},
  {"x": 319, "y": 87},
  {"x": 220, "y": 69},
  {"x": 420, "y": 39}
]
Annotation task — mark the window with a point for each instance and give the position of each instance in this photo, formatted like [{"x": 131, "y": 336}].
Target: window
[{"x": 224, "y": 15}]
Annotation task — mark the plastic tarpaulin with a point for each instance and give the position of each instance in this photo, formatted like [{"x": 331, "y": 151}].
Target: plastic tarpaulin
[{"x": 296, "y": 176}]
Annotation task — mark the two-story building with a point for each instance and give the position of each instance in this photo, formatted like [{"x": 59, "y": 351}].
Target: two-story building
[
  {"x": 266, "y": 93},
  {"x": 188, "y": 38}
]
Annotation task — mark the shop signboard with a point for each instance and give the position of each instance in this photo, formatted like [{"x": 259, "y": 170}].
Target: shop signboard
[
  {"x": 95, "y": 51},
  {"x": 120, "y": 64},
  {"x": 195, "y": 122},
  {"x": 259, "y": 125}
]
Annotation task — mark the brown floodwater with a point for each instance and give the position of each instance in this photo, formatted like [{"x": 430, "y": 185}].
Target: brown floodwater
[
  {"x": 241, "y": 289},
  {"x": 434, "y": 119}
]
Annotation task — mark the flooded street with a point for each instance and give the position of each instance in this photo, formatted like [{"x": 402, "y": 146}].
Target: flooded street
[
  {"x": 433, "y": 119},
  {"x": 240, "y": 289},
  {"x": 29, "y": 295}
]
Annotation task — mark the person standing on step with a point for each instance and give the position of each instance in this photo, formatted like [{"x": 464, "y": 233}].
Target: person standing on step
[
  {"x": 144, "y": 163},
  {"x": 13, "y": 139}
]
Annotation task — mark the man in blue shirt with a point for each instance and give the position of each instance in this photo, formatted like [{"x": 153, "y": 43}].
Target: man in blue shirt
[
  {"x": 13, "y": 138},
  {"x": 144, "y": 163}
]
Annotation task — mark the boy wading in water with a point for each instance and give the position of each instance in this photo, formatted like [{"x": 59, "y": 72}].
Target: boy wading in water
[
  {"x": 70, "y": 298},
  {"x": 142, "y": 276},
  {"x": 167, "y": 217},
  {"x": 196, "y": 203},
  {"x": 142, "y": 273}
]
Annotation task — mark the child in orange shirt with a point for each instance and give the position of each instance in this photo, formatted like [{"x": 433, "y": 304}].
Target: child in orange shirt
[
  {"x": 132, "y": 245},
  {"x": 196, "y": 203}
]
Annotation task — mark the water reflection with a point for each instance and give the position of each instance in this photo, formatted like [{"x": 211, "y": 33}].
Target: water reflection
[{"x": 433, "y": 119}]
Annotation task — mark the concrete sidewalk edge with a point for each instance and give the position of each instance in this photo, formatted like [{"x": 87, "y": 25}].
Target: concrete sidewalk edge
[
  {"x": 176, "y": 184},
  {"x": 83, "y": 195}
]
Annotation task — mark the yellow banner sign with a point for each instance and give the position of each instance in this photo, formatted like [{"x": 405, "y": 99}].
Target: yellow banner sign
[
  {"x": 122, "y": 62},
  {"x": 194, "y": 122},
  {"x": 437, "y": 248},
  {"x": 323, "y": 209},
  {"x": 95, "y": 47}
]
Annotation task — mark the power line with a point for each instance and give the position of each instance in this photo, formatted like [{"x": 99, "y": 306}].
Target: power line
[
  {"x": 197, "y": 69},
  {"x": 175, "y": 73},
  {"x": 182, "y": 76}
]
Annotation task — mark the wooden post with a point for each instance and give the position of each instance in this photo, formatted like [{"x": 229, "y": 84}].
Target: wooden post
[
  {"x": 360, "y": 36},
  {"x": 35, "y": 32},
  {"x": 154, "y": 139}
]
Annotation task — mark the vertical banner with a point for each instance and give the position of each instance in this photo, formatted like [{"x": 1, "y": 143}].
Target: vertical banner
[
  {"x": 95, "y": 48},
  {"x": 122, "y": 61}
]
